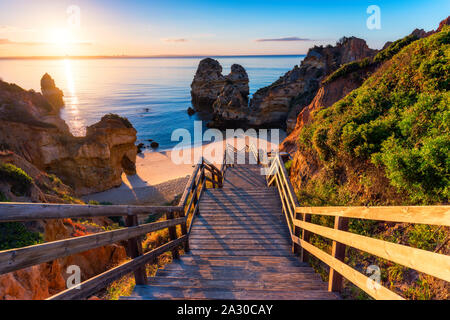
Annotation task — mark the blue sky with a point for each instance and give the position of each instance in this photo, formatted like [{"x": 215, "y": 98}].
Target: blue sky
[{"x": 35, "y": 27}]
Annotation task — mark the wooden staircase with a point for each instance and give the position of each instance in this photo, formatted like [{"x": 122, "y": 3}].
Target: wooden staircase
[
  {"x": 239, "y": 249},
  {"x": 244, "y": 240}
]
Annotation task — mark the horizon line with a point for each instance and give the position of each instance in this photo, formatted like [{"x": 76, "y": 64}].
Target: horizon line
[{"x": 145, "y": 56}]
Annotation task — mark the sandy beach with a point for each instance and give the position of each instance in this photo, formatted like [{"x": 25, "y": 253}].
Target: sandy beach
[{"x": 161, "y": 177}]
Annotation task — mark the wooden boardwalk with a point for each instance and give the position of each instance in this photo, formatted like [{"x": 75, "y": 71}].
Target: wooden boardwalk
[{"x": 239, "y": 249}]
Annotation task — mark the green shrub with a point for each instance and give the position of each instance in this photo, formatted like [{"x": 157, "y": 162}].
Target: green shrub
[
  {"x": 19, "y": 179},
  {"x": 394, "y": 48},
  {"x": 348, "y": 68},
  {"x": 398, "y": 120},
  {"x": 15, "y": 235}
]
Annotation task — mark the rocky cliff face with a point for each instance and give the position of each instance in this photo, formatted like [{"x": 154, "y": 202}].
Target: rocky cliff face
[
  {"x": 278, "y": 104},
  {"x": 283, "y": 100},
  {"x": 343, "y": 81},
  {"x": 326, "y": 96},
  {"x": 31, "y": 127}
]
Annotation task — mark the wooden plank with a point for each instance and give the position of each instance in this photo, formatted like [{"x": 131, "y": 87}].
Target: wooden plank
[
  {"x": 434, "y": 264},
  {"x": 433, "y": 215},
  {"x": 11, "y": 211},
  {"x": 95, "y": 284},
  {"x": 240, "y": 246},
  {"x": 241, "y": 252},
  {"x": 228, "y": 273},
  {"x": 151, "y": 293},
  {"x": 15, "y": 259},
  {"x": 361, "y": 281},
  {"x": 305, "y": 284}
]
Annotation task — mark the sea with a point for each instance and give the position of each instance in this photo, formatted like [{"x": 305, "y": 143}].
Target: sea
[{"x": 153, "y": 93}]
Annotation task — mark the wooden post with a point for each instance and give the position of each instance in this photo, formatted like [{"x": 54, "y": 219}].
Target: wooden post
[
  {"x": 338, "y": 251},
  {"x": 304, "y": 257},
  {"x": 296, "y": 249},
  {"x": 213, "y": 178},
  {"x": 135, "y": 250},
  {"x": 220, "y": 178},
  {"x": 173, "y": 234},
  {"x": 184, "y": 231}
]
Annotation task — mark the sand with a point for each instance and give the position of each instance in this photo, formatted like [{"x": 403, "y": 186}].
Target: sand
[{"x": 160, "y": 177}]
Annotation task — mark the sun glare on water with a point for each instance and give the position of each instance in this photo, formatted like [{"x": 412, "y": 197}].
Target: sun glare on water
[{"x": 76, "y": 123}]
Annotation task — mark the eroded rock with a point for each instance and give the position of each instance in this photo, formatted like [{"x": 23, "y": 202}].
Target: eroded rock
[{"x": 31, "y": 127}]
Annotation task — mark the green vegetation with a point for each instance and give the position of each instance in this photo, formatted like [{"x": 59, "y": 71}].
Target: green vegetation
[
  {"x": 348, "y": 68},
  {"x": 386, "y": 143},
  {"x": 288, "y": 165},
  {"x": 395, "y": 48},
  {"x": 396, "y": 123},
  {"x": 20, "y": 181},
  {"x": 382, "y": 56},
  {"x": 15, "y": 235}
]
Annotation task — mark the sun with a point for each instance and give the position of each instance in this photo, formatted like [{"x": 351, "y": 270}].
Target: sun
[{"x": 61, "y": 37}]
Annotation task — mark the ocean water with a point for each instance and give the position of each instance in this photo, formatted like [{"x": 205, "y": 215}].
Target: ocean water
[{"x": 153, "y": 93}]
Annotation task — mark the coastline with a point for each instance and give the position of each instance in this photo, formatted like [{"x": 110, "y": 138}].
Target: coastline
[{"x": 159, "y": 179}]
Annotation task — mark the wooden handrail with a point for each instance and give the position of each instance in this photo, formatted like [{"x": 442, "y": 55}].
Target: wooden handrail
[
  {"x": 15, "y": 259},
  {"x": 16, "y": 211},
  {"x": 434, "y": 264},
  {"x": 432, "y": 215}
]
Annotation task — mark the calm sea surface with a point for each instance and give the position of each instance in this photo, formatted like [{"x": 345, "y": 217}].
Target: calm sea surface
[{"x": 153, "y": 93}]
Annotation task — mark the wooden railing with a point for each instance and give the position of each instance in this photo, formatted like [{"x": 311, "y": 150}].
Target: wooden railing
[
  {"x": 183, "y": 214},
  {"x": 299, "y": 221}
]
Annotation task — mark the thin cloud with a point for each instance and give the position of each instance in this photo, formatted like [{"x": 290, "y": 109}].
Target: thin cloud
[
  {"x": 13, "y": 29},
  {"x": 283, "y": 39},
  {"x": 36, "y": 43},
  {"x": 176, "y": 40}
]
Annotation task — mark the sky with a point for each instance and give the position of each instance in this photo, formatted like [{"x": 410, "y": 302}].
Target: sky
[{"x": 229, "y": 27}]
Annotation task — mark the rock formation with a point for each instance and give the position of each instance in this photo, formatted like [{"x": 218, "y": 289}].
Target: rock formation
[
  {"x": 31, "y": 127},
  {"x": 278, "y": 104},
  {"x": 208, "y": 83},
  {"x": 49, "y": 90},
  {"x": 283, "y": 100}
]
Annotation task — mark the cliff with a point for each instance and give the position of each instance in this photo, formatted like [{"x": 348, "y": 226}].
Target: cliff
[
  {"x": 379, "y": 143},
  {"x": 31, "y": 127},
  {"x": 278, "y": 104}
]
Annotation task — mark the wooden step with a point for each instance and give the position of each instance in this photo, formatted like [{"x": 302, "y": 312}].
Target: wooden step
[
  {"x": 248, "y": 285},
  {"x": 240, "y": 252},
  {"x": 155, "y": 292},
  {"x": 236, "y": 273},
  {"x": 238, "y": 266},
  {"x": 291, "y": 259}
]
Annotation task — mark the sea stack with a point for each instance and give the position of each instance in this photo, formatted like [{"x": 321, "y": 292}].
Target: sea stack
[
  {"x": 53, "y": 94},
  {"x": 209, "y": 81}
]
